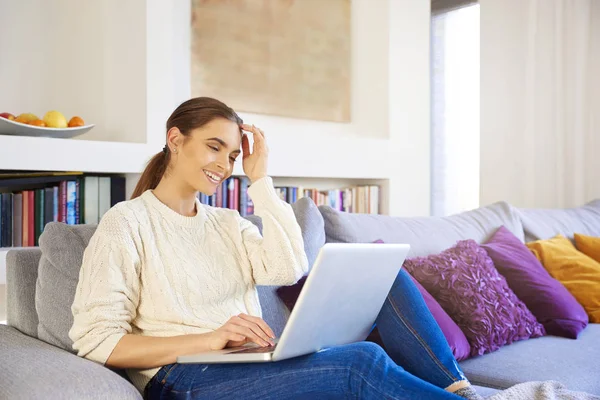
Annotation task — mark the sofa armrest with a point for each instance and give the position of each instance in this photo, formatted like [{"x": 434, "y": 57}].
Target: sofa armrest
[{"x": 32, "y": 369}]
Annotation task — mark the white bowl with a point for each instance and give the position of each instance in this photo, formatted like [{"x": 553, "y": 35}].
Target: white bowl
[{"x": 8, "y": 127}]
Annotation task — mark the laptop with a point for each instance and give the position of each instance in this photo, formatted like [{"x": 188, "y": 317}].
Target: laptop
[{"x": 338, "y": 304}]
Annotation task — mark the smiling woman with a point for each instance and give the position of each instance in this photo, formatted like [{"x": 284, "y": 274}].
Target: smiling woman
[{"x": 165, "y": 276}]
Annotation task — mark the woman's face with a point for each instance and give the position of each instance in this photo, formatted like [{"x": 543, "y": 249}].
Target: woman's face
[{"x": 207, "y": 157}]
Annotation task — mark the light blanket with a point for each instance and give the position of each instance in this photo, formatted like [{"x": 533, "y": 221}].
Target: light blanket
[{"x": 547, "y": 390}]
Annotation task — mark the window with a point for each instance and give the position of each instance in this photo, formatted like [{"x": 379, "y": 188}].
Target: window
[{"x": 455, "y": 110}]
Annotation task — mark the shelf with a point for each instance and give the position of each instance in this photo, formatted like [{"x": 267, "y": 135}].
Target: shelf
[
  {"x": 315, "y": 156},
  {"x": 49, "y": 154}
]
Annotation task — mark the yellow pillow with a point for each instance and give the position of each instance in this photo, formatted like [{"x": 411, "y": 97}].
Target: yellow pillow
[
  {"x": 588, "y": 245},
  {"x": 579, "y": 273}
]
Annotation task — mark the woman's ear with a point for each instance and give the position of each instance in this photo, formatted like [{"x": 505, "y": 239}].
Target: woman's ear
[{"x": 174, "y": 138}]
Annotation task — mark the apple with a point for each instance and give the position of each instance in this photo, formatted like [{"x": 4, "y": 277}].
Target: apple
[{"x": 8, "y": 116}]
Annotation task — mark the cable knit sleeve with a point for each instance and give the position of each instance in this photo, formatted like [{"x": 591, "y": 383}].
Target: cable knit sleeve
[
  {"x": 277, "y": 257},
  {"x": 107, "y": 293}
]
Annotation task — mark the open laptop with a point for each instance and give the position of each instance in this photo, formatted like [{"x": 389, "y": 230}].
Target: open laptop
[{"x": 338, "y": 304}]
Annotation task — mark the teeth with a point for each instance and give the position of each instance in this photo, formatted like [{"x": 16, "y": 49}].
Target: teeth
[{"x": 212, "y": 176}]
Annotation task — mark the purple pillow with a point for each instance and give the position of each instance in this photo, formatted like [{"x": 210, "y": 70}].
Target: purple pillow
[
  {"x": 289, "y": 294},
  {"x": 552, "y": 304},
  {"x": 465, "y": 283}
]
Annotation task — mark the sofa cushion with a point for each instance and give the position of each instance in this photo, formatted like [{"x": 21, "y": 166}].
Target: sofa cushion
[
  {"x": 546, "y": 223},
  {"x": 275, "y": 312},
  {"x": 62, "y": 248},
  {"x": 571, "y": 362},
  {"x": 548, "y": 299},
  {"x": 21, "y": 275},
  {"x": 311, "y": 224},
  {"x": 32, "y": 369},
  {"x": 426, "y": 235}
]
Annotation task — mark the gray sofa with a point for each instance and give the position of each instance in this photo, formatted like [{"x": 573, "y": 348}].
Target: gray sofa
[{"x": 38, "y": 362}]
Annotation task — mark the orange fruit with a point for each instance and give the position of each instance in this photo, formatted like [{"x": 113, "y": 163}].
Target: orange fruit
[
  {"x": 37, "y": 122},
  {"x": 76, "y": 121}
]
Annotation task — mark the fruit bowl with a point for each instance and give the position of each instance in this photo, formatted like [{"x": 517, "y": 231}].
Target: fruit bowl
[{"x": 8, "y": 127}]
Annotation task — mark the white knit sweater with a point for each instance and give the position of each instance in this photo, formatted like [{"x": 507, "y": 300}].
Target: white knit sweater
[{"x": 151, "y": 271}]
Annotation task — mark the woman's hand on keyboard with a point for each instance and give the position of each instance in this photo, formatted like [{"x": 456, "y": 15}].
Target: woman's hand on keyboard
[{"x": 242, "y": 329}]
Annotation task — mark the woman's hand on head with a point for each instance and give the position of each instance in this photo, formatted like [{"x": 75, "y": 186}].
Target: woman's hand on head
[
  {"x": 240, "y": 330},
  {"x": 255, "y": 162}
]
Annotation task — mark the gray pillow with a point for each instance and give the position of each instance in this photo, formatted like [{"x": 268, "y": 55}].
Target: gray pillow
[
  {"x": 426, "y": 235},
  {"x": 62, "y": 249}
]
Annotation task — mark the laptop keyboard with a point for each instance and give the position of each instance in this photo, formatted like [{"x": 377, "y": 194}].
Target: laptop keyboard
[{"x": 255, "y": 350}]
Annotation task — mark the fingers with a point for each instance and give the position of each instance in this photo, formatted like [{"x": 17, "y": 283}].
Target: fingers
[
  {"x": 254, "y": 327},
  {"x": 245, "y": 146},
  {"x": 261, "y": 323},
  {"x": 258, "y": 133},
  {"x": 247, "y": 332},
  {"x": 259, "y": 143}
]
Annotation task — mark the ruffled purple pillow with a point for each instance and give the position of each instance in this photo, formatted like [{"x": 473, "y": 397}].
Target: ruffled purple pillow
[{"x": 466, "y": 284}]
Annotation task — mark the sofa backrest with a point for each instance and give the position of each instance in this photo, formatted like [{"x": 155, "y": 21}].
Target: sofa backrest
[
  {"x": 42, "y": 281},
  {"x": 541, "y": 223},
  {"x": 426, "y": 235}
]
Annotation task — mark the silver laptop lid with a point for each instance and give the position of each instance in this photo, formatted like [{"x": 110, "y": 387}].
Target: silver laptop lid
[{"x": 342, "y": 297}]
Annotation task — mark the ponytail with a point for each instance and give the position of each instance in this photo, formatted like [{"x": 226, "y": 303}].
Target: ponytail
[{"x": 152, "y": 174}]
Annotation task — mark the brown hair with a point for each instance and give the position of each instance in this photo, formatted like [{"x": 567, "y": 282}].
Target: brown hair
[{"x": 190, "y": 115}]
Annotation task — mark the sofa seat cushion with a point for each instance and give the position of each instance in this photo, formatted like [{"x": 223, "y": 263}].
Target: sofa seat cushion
[
  {"x": 574, "y": 363},
  {"x": 426, "y": 235}
]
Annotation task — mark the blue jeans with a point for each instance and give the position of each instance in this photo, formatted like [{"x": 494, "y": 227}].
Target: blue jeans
[{"x": 417, "y": 364}]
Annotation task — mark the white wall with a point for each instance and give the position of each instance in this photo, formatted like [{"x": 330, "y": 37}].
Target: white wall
[{"x": 539, "y": 102}]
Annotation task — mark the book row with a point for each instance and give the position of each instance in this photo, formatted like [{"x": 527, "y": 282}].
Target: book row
[
  {"x": 28, "y": 203},
  {"x": 233, "y": 194}
]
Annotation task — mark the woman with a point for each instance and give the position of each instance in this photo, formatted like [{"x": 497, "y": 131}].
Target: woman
[{"x": 164, "y": 275}]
